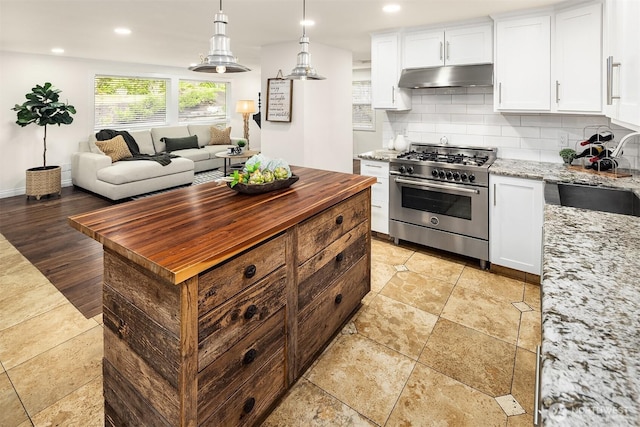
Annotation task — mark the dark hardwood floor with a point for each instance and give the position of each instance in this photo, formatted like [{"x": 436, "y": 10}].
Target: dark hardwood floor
[{"x": 68, "y": 258}]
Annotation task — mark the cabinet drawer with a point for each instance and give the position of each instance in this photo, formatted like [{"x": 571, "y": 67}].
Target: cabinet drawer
[
  {"x": 319, "y": 231},
  {"x": 222, "y": 328},
  {"x": 322, "y": 269},
  {"x": 328, "y": 311},
  {"x": 221, "y": 283},
  {"x": 218, "y": 381},
  {"x": 372, "y": 168},
  {"x": 380, "y": 216},
  {"x": 251, "y": 401},
  {"x": 380, "y": 190}
]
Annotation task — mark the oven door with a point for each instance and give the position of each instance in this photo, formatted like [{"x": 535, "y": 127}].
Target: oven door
[{"x": 456, "y": 208}]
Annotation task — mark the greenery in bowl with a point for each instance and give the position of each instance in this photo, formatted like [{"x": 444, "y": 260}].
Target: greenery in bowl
[
  {"x": 568, "y": 154},
  {"x": 241, "y": 143}
]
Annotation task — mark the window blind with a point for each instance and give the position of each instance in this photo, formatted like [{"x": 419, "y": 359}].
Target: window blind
[{"x": 202, "y": 100}]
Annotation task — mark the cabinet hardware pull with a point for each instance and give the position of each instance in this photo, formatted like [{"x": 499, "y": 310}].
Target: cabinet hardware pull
[
  {"x": 393, "y": 94},
  {"x": 448, "y": 50},
  {"x": 441, "y": 49},
  {"x": 249, "y": 356},
  {"x": 557, "y": 92},
  {"x": 500, "y": 93},
  {"x": 339, "y": 219},
  {"x": 248, "y": 405},
  {"x": 494, "y": 194},
  {"x": 340, "y": 257},
  {"x": 123, "y": 329},
  {"x": 610, "y": 66},
  {"x": 251, "y": 311},
  {"x": 376, "y": 206},
  {"x": 338, "y": 299},
  {"x": 372, "y": 166},
  {"x": 250, "y": 271}
]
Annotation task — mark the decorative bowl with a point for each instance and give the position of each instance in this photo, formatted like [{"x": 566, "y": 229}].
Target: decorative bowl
[{"x": 264, "y": 188}]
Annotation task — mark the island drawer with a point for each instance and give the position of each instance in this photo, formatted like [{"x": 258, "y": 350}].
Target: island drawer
[
  {"x": 253, "y": 399},
  {"x": 321, "y": 270},
  {"x": 319, "y": 321},
  {"x": 319, "y": 231},
  {"x": 217, "y": 285},
  {"x": 229, "y": 323},
  {"x": 218, "y": 381}
]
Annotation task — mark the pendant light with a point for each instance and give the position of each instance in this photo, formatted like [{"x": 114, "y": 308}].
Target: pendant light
[
  {"x": 303, "y": 69},
  {"x": 220, "y": 59}
]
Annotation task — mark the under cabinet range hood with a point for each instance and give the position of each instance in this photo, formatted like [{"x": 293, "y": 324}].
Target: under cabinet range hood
[{"x": 447, "y": 76}]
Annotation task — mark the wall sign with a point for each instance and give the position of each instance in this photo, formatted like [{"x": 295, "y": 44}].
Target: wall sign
[{"x": 279, "y": 96}]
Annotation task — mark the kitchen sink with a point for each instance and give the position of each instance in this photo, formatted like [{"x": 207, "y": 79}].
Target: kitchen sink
[{"x": 604, "y": 199}]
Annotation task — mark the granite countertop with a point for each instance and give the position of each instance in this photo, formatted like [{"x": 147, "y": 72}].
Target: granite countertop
[
  {"x": 380, "y": 155},
  {"x": 590, "y": 305}
]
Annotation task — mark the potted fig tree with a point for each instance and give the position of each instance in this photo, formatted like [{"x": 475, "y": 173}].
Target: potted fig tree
[{"x": 44, "y": 108}]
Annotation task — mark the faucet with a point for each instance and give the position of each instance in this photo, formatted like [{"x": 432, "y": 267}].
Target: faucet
[{"x": 618, "y": 150}]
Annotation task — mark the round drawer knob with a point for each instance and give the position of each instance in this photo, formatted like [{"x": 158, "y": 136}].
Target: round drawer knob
[
  {"x": 250, "y": 271},
  {"x": 248, "y": 405},
  {"x": 338, "y": 299},
  {"x": 249, "y": 356},
  {"x": 340, "y": 257},
  {"x": 339, "y": 219},
  {"x": 251, "y": 311}
]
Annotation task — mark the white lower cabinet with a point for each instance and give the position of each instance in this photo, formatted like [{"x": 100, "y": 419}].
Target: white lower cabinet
[
  {"x": 379, "y": 193},
  {"x": 516, "y": 212}
]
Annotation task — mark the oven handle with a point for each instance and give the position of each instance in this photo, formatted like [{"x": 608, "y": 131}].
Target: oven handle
[{"x": 438, "y": 186}]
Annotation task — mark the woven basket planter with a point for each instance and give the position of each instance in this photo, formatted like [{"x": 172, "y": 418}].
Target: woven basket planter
[{"x": 44, "y": 181}]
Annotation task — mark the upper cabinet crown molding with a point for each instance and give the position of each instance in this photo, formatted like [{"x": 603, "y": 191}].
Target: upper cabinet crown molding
[{"x": 550, "y": 60}]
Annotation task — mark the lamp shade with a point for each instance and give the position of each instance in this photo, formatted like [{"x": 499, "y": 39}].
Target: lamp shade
[{"x": 245, "y": 106}]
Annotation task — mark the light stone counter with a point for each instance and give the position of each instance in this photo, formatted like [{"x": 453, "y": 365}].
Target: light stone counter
[
  {"x": 380, "y": 155},
  {"x": 590, "y": 305}
]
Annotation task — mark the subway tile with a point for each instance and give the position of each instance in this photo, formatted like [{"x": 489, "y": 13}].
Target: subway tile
[
  {"x": 550, "y": 156},
  {"x": 432, "y": 99},
  {"x": 501, "y": 119},
  {"x": 436, "y": 118},
  {"x": 451, "y": 128},
  {"x": 451, "y": 90},
  {"x": 480, "y": 89},
  {"x": 421, "y": 127},
  {"x": 480, "y": 109},
  {"x": 469, "y": 119},
  {"x": 423, "y": 108},
  {"x": 582, "y": 121},
  {"x": 539, "y": 144},
  {"x": 502, "y": 141},
  {"x": 462, "y": 139},
  {"x": 468, "y": 99},
  {"x": 519, "y": 154},
  {"x": 484, "y": 130},
  {"x": 451, "y": 108},
  {"x": 540, "y": 120},
  {"x": 522, "y": 132}
]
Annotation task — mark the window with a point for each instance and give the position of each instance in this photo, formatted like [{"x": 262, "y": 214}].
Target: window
[
  {"x": 363, "y": 114},
  {"x": 129, "y": 101},
  {"x": 198, "y": 100}
]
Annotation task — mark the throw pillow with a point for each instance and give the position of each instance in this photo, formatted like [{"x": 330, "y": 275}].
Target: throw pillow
[
  {"x": 174, "y": 144},
  {"x": 116, "y": 148},
  {"x": 219, "y": 136}
]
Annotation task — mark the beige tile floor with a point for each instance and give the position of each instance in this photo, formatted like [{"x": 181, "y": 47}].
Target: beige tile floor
[{"x": 436, "y": 342}]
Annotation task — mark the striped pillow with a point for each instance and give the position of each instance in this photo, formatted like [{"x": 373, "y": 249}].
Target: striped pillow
[{"x": 116, "y": 148}]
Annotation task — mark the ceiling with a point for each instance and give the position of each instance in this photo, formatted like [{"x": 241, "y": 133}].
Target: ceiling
[{"x": 176, "y": 32}]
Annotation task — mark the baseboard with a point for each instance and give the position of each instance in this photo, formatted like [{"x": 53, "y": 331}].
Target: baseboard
[{"x": 12, "y": 192}]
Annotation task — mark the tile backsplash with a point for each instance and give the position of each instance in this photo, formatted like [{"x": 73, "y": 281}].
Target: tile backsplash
[{"x": 465, "y": 116}]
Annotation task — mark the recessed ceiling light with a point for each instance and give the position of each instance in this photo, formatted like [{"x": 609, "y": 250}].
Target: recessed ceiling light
[
  {"x": 57, "y": 50},
  {"x": 391, "y": 8},
  {"x": 122, "y": 31},
  {"x": 308, "y": 22},
  {"x": 193, "y": 64}
]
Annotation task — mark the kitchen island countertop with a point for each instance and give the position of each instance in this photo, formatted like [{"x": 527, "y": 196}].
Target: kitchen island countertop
[{"x": 590, "y": 305}]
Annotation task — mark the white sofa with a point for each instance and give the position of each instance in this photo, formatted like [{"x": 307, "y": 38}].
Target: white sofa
[{"x": 93, "y": 170}]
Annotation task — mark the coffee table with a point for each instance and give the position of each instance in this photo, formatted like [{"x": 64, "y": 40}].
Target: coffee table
[{"x": 226, "y": 156}]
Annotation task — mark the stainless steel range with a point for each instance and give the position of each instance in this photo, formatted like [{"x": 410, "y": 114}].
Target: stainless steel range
[{"x": 439, "y": 197}]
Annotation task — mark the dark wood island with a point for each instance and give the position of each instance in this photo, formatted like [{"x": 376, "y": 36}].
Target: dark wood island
[{"x": 214, "y": 302}]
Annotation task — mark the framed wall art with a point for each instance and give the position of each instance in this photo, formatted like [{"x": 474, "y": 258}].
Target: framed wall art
[{"x": 279, "y": 97}]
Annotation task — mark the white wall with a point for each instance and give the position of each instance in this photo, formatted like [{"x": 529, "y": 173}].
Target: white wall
[
  {"x": 320, "y": 132},
  {"x": 21, "y": 148},
  {"x": 466, "y": 117}
]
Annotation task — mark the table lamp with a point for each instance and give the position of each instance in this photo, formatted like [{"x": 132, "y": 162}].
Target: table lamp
[{"x": 246, "y": 107}]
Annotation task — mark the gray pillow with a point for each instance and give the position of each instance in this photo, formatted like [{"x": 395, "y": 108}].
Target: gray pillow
[{"x": 174, "y": 144}]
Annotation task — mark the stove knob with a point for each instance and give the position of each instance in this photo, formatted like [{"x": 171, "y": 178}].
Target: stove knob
[
  {"x": 402, "y": 169},
  {"x": 441, "y": 174},
  {"x": 463, "y": 176},
  {"x": 456, "y": 176},
  {"x": 410, "y": 169},
  {"x": 449, "y": 175},
  {"x": 472, "y": 178},
  {"x": 434, "y": 173}
]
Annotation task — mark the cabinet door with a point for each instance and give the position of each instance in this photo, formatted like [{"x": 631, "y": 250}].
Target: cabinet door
[
  {"x": 578, "y": 60},
  {"x": 523, "y": 64},
  {"x": 472, "y": 45},
  {"x": 385, "y": 73},
  {"x": 515, "y": 223},
  {"x": 379, "y": 194},
  {"x": 423, "y": 49},
  {"x": 623, "y": 36}
]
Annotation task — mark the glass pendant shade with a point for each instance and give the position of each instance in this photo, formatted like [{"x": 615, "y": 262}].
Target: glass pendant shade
[
  {"x": 303, "y": 69},
  {"x": 220, "y": 58}
]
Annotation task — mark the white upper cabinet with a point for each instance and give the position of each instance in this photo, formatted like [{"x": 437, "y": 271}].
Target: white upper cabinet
[
  {"x": 455, "y": 46},
  {"x": 578, "y": 60},
  {"x": 385, "y": 73},
  {"x": 622, "y": 55},
  {"x": 550, "y": 62},
  {"x": 523, "y": 64}
]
